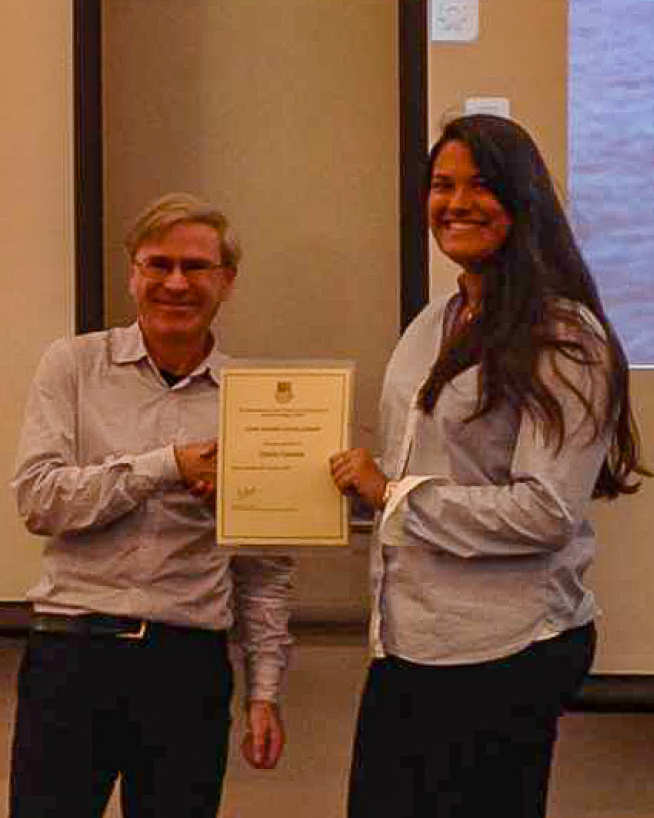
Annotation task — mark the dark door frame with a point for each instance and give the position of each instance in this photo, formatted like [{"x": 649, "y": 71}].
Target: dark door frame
[
  {"x": 87, "y": 82},
  {"x": 89, "y": 250}
]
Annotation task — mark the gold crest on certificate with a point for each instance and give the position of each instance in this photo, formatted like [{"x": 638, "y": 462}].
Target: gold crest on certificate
[{"x": 278, "y": 426}]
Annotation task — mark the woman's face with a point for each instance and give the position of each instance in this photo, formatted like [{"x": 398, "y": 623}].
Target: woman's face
[{"x": 466, "y": 219}]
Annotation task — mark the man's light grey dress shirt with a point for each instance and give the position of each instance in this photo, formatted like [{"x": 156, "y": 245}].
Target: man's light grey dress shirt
[{"x": 96, "y": 474}]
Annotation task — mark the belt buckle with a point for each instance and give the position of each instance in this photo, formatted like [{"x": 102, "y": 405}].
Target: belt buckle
[{"x": 140, "y": 633}]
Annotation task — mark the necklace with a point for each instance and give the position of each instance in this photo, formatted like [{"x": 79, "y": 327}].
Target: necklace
[{"x": 468, "y": 313}]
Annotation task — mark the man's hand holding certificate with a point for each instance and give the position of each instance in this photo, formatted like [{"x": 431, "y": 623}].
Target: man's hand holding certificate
[{"x": 278, "y": 427}]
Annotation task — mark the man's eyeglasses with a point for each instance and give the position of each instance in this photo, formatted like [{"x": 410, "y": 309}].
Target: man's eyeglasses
[{"x": 158, "y": 267}]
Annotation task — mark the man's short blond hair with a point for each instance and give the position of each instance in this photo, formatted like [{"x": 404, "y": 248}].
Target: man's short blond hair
[{"x": 178, "y": 208}]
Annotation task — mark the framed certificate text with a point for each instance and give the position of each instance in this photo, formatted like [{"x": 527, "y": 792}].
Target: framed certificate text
[{"x": 278, "y": 426}]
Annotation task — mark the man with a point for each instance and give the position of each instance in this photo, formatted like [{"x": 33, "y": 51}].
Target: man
[{"x": 126, "y": 670}]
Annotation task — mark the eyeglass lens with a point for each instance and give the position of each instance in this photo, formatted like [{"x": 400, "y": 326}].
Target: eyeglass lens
[{"x": 164, "y": 265}]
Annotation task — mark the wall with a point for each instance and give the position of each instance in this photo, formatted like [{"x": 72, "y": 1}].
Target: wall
[
  {"x": 285, "y": 114},
  {"x": 622, "y": 576},
  {"x": 524, "y": 57},
  {"x": 36, "y": 233}
]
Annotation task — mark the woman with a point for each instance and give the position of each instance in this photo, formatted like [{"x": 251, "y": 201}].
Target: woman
[{"x": 505, "y": 409}]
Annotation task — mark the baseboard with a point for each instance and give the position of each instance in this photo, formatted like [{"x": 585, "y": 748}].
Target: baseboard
[
  {"x": 615, "y": 693},
  {"x": 600, "y": 693},
  {"x": 14, "y": 618}
]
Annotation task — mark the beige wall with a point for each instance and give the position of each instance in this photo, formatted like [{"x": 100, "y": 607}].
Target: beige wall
[
  {"x": 523, "y": 56},
  {"x": 36, "y": 232},
  {"x": 285, "y": 113},
  {"x": 624, "y": 571}
]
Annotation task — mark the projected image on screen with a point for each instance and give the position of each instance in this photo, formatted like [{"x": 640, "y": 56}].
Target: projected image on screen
[{"x": 611, "y": 159}]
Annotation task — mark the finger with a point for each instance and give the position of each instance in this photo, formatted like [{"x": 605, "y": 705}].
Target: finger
[
  {"x": 343, "y": 483},
  {"x": 198, "y": 488},
  {"x": 246, "y": 749},
  {"x": 338, "y": 472},
  {"x": 343, "y": 466},
  {"x": 259, "y": 735},
  {"x": 343, "y": 478},
  {"x": 210, "y": 451},
  {"x": 274, "y": 748},
  {"x": 206, "y": 493}
]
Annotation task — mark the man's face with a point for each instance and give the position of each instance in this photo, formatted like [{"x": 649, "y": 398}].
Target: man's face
[{"x": 178, "y": 284}]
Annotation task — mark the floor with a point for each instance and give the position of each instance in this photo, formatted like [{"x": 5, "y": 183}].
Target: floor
[{"x": 603, "y": 766}]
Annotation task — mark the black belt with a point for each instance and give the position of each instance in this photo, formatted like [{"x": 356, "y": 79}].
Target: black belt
[{"x": 119, "y": 627}]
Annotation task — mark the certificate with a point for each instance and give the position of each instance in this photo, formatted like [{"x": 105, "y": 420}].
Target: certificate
[{"x": 278, "y": 426}]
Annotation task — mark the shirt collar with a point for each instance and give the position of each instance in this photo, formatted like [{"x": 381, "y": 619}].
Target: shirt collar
[{"x": 126, "y": 345}]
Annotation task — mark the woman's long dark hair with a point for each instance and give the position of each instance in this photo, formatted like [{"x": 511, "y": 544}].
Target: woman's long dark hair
[{"x": 526, "y": 286}]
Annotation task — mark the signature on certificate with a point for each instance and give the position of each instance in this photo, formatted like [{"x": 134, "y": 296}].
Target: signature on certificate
[{"x": 243, "y": 492}]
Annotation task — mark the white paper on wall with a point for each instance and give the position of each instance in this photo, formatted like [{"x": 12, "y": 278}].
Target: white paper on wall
[
  {"x": 499, "y": 106},
  {"x": 454, "y": 20}
]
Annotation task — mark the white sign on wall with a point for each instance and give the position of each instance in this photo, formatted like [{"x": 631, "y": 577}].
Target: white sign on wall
[
  {"x": 499, "y": 106},
  {"x": 454, "y": 20}
]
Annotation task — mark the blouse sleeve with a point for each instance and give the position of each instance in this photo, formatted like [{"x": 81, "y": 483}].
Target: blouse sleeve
[{"x": 545, "y": 498}]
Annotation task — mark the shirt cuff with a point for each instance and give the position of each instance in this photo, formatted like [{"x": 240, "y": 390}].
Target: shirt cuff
[
  {"x": 391, "y": 526},
  {"x": 159, "y": 466},
  {"x": 266, "y": 685}
]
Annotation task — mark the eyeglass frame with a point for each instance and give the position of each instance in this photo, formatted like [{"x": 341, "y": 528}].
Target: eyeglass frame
[{"x": 205, "y": 267}]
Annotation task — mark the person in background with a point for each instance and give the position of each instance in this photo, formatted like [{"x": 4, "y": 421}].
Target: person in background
[
  {"x": 126, "y": 670},
  {"x": 505, "y": 410}
]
